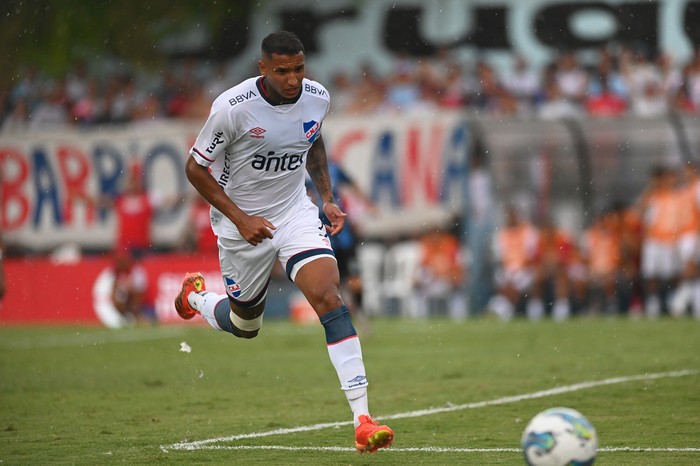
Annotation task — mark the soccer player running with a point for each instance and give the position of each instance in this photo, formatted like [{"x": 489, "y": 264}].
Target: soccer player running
[{"x": 259, "y": 137}]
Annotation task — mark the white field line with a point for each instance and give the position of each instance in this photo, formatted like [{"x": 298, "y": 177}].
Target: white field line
[
  {"x": 438, "y": 449},
  {"x": 202, "y": 444}
]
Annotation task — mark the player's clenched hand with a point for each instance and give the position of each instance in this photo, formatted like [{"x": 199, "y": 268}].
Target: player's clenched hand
[
  {"x": 335, "y": 216},
  {"x": 255, "y": 229}
]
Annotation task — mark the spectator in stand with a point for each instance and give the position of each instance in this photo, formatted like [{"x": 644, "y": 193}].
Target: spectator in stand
[
  {"x": 605, "y": 103},
  {"x": 17, "y": 116},
  {"x": 343, "y": 93},
  {"x": 369, "y": 92},
  {"x": 522, "y": 82},
  {"x": 555, "y": 105},
  {"x": 77, "y": 82},
  {"x": 571, "y": 78},
  {"x": 87, "y": 108},
  {"x": 652, "y": 102},
  {"x": 455, "y": 91},
  {"x": 671, "y": 77},
  {"x": 52, "y": 110},
  {"x": 122, "y": 97},
  {"x": 403, "y": 91},
  {"x": 487, "y": 88},
  {"x": 514, "y": 250},
  {"x": 608, "y": 72}
]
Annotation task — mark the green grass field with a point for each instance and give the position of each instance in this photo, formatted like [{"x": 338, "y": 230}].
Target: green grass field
[{"x": 87, "y": 395}]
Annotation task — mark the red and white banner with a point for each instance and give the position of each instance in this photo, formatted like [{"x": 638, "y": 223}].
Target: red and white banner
[
  {"x": 40, "y": 291},
  {"x": 411, "y": 166}
]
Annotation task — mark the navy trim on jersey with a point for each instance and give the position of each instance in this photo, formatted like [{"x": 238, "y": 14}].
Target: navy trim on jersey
[
  {"x": 265, "y": 95},
  {"x": 202, "y": 155},
  {"x": 252, "y": 302},
  {"x": 296, "y": 258}
]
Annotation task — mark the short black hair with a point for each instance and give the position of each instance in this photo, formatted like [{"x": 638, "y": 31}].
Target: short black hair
[{"x": 281, "y": 43}]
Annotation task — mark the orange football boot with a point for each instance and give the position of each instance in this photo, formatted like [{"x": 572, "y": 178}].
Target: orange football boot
[
  {"x": 370, "y": 436},
  {"x": 192, "y": 282}
]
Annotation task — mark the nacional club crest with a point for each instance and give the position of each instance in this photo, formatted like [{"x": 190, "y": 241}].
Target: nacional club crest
[
  {"x": 232, "y": 288},
  {"x": 311, "y": 130}
]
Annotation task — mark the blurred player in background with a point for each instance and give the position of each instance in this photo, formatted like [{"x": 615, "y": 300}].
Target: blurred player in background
[
  {"x": 662, "y": 213},
  {"x": 687, "y": 293},
  {"x": 515, "y": 247},
  {"x": 555, "y": 261},
  {"x": 199, "y": 236},
  {"x": 602, "y": 251},
  {"x": 129, "y": 289},
  {"x": 258, "y": 139},
  {"x": 344, "y": 244},
  {"x": 441, "y": 275}
]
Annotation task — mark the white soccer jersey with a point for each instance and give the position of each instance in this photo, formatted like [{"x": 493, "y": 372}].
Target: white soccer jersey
[{"x": 257, "y": 150}]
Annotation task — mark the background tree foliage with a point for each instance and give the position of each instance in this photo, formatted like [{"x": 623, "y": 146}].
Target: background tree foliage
[{"x": 53, "y": 34}]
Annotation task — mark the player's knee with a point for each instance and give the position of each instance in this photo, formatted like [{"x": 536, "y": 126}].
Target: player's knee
[
  {"x": 328, "y": 298},
  {"x": 246, "y": 323}
]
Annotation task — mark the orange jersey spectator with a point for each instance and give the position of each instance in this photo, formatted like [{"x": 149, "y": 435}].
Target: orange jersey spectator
[
  {"x": 441, "y": 257},
  {"x": 665, "y": 215},
  {"x": 516, "y": 246},
  {"x": 602, "y": 245},
  {"x": 555, "y": 248}
]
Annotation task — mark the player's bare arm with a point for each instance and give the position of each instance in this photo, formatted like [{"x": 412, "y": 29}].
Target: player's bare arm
[
  {"x": 317, "y": 167},
  {"x": 253, "y": 229}
]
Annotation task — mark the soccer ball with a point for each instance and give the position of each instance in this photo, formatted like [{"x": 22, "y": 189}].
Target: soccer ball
[{"x": 559, "y": 437}]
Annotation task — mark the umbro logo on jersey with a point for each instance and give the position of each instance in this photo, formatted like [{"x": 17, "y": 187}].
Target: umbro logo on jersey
[
  {"x": 257, "y": 132},
  {"x": 311, "y": 129}
]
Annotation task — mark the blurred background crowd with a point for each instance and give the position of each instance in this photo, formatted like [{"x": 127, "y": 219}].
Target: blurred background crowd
[{"x": 620, "y": 81}]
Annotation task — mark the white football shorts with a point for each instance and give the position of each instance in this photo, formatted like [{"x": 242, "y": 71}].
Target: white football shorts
[
  {"x": 520, "y": 279},
  {"x": 660, "y": 260},
  {"x": 688, "y": 245},
  {"x": 246, "y": 268}
]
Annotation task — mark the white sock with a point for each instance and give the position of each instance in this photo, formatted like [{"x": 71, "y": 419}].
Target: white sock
[
  {"x": 561, "y": 310},
  {"x": 534, "y": 309},
  {"x": 502, "y": 307},
  {"x": 346, "y": 357},
  {"x": 680, "y": 298},
  {"x": 652, "y": 307},
  {"x": 695, "y": 301},
  {"x": 205, "y": 302}
]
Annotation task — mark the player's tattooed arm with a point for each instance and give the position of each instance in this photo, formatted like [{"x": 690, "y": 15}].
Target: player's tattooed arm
[{"x": 317, "y": 167}]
